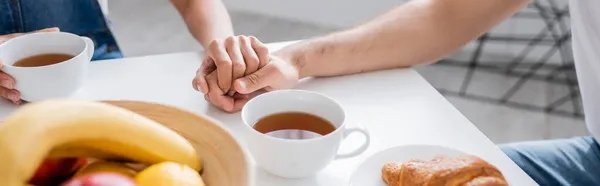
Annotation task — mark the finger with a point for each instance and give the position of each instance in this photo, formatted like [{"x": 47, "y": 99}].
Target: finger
[
  {"x": 239, "y": 104},
  {"x": 257, "y": 93},
  {"x": 196, "y": 84},
  {"x": 206, "y": 98},
  {"x": 53, "y": 29},
  {"x": 250, "y": 57},
  {"x": 233, "y": 49},
  {"x": 240, "y": 96},
  {"x": 218, "y": 53},
  {"x": 4, "y": 38},
  {"x": 261, "y": 50},
  {"x": 231, "y": 92},
  {"x": 7, "y": 81},
  {"x": 7, "y": 37},
  {"x": 11, "y": 95},
  {"x": 195, "y": 80},
  {"x": 208, "y": 66},
  {"x": 269, "y": 89},
  {"x": 199, "y": 82},
  {"x": 255, "y": 81},
  {"x": 216, "y": 96},
  {"x": 222, "y": 101}
]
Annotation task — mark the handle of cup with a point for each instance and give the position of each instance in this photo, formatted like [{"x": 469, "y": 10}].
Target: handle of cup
[
  {"x": 359, "y": 129},
  {"x": 90, "y": 47}
]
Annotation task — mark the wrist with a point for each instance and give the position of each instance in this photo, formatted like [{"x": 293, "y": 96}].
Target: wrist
[{"x": 296, "y": 56}]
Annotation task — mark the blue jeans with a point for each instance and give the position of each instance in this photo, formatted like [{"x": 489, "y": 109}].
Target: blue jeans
[
  {"x": 574, "y": 161},
  {"x": 81, "y": 17}
]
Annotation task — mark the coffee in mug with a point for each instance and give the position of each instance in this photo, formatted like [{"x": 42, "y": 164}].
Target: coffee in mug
[
  {"x": 294, "y": 125},
  {"x": 42, "y": 60}
]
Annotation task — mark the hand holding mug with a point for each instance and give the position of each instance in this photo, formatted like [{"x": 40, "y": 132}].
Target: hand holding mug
[
  {"x": 7, "y": 83},
  {"x": 46, "y": 65}
]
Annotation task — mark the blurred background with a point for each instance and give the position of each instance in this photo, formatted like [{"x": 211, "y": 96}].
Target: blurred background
[{"x": 515, "y": 83}]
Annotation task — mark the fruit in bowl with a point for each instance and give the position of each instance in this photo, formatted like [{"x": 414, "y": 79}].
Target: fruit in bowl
[
  {"x": 169, "y": 174},
  {"x": 99, "y": 166},
  {"x": 124, "y": 131},
  {"x": 56, "y": 170},
  {"x": 101, "y": 179}
]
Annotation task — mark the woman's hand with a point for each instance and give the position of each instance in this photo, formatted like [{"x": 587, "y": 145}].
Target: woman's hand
[
  {"x": 232, "y": 58},
  {"x": 277, "y": 74},
  {"x": 7, "y": 83}
]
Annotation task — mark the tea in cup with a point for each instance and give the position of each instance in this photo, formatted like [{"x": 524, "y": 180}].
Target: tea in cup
[
  {"x": 296, "y": 133},
  {"x": 47, "y": 65}
]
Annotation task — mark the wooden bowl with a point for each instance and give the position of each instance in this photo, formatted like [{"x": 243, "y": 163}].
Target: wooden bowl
[{"x": 226, "y": 162}]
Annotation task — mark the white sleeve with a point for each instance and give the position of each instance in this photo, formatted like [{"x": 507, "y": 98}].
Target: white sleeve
[
  {"x": 104, "y": 6},
  {"x": 585, "y": 27}
]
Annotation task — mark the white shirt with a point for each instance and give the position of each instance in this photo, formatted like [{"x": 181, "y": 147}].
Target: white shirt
[
  {"x": 104, "y": 6},
  {"x": 585, "y": 27}
]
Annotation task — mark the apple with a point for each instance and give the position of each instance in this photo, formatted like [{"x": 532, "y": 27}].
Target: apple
[
  {"x": 56, "y": 170},
  {"x": 101, "y": 179}
]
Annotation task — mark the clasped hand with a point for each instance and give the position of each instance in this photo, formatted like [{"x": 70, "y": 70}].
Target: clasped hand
[{"x": 237, "y": 68}]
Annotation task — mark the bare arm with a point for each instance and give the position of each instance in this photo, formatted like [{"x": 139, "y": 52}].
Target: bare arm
[
  {"x": 417, "y": 32},
  {"x": 207, "y": 20}
]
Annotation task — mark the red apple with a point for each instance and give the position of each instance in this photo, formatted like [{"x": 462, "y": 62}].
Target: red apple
[
  {"x": 101, "y": 179},
  {"x": 56, "y": 170}
]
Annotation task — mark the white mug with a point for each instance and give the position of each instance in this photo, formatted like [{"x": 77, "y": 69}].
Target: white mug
[
  {"x": 292, "y": 158},
  {"x": 51, "y": 81}
]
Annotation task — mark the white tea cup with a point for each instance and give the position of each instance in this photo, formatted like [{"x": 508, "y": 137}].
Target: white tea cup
[
  {"x": 293, "y": 158},
  {"x": 50, "y": 81}
]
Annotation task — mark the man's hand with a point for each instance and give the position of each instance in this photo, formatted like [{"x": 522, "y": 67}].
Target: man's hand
[
  {"x": 277, "y": 74},
  {"x": 232, "y": 58},
  {"x": 220, "y": 99},
  {"x": 7, "y": 83}
]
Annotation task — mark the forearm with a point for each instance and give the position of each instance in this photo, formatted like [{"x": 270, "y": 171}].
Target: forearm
[
  {"x": 417, "y": 32},
  {"x": 206, "y": 20}
]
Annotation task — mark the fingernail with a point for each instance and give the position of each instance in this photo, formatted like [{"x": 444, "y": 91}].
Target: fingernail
[
  {"x": 196, "y": 87},
  {"x": 6, "y": 83},
  {"x": 242, "y": 84},
  {"x": 13, "y": 96},
  {"x": 53, "y": 29},
  {"x": 202, "y": 89}
]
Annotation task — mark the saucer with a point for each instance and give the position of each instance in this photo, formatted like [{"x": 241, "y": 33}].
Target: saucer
[{"x": 369, "y": 171}]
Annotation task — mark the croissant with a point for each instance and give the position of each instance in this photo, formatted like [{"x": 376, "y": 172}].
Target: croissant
[{"x": 466, "y": 170}]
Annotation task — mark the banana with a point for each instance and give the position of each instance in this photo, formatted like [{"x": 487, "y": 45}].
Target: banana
[
  {"x": 74, "y": 150},
  {"x": 33, "y": 131}
]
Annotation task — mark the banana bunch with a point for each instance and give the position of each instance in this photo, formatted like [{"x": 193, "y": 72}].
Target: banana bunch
[{"x": 66, "y": 128}]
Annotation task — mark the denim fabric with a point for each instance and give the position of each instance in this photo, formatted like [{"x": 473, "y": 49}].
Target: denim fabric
[
  {"x": 81, "y": 17},
  {"x": 568, "y": 162}
]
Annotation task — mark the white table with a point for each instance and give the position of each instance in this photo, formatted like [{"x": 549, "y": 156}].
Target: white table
[{"x": 397, "y": 106}]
